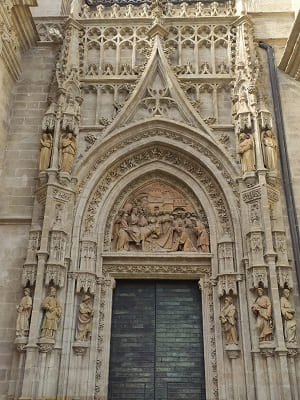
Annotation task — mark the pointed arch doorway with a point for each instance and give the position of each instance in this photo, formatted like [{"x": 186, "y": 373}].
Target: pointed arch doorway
[{"x": 157, "y": 350}]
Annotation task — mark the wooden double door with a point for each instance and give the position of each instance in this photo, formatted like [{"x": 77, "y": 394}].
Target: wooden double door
[{"x": 157, "y": 341}]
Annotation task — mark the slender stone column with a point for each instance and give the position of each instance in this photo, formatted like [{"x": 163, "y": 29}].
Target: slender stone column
[
  {"x": 206, "y": 292},
  {"x": 292, "y": 353},
  {"x": 234, "y": 354},
  {"x": 107, "y": 292},
  {"x": 31, "y": 365},
  {"x": 269, "y": 354}
]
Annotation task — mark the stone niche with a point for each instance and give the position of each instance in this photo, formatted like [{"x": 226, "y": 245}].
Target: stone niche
[{"x": 159, "y": 218}]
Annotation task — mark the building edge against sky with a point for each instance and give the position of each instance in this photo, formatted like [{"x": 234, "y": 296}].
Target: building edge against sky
[{"x": 140, "y": 143}]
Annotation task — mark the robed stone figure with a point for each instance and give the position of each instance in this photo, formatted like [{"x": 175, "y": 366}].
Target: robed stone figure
[
  {"x": 52, "y": 315},
  {"x": 85, "y": 319},
  {"x": 24, "y": 313},
  {"x": 46, "y": 150},
  {"x": 288, "y": 315},
  {"x": 246, "y": 152},
  {"x": 68, "y": 149},
  {"x": 262, "y": 309},
  {"x": 270, "y": 150},
  {"x": 228, "y": 319}
]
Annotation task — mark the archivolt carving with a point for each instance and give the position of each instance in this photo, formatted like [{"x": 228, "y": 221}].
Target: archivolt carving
[
  {"x": 167, "y": 156},
  {"x": 204, "y": 151}
]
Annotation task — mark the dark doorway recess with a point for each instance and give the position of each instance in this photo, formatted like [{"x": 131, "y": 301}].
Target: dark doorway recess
[{"x": 157, "y": 341}]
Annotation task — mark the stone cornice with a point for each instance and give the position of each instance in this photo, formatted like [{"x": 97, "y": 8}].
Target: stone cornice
[{"x": 290, "y": 61}]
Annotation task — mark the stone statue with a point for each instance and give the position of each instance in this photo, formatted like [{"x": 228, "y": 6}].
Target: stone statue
[
  {"x": 202, "y": 238},
  {"x": 68, "y": 149},
  {"x": 288, "y": 314},
  {"x": 270, "y": 150},
  {"x": 262, "y": 309},
  {"x": 85, "y": 319},
  {"x": 53, "y": 312},
  {"x": 24, "y": 313},
  {"x": 228, "y": 319},
  {"x": 46, "y": 150},
  {"x": 246, "y": 152}
]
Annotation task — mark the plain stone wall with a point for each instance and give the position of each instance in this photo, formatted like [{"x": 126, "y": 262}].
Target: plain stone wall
[
  {"x": 17, "y": 184},
  {"x": 6, "y": 86},
  {"x": 28, "y": 103},
  {"x": 270, "y": 5},
  {"x": 290, "y": 96},
  {"x": 49, "y": 8}
]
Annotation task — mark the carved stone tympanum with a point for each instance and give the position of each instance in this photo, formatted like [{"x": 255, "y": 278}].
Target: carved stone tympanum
[
  {"x": 24, "y": 313},
  {"x": 53, "y": 312},
  {"x": 288, "y": 314},
  {"x": 159, "y": 218},
  {"x": 262, "y": 309}
]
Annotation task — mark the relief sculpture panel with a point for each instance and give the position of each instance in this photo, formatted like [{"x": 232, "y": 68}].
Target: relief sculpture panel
[{"x": 157, "y": 217}]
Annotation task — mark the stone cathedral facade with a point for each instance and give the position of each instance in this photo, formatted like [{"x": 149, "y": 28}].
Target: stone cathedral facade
[{"x": 149, "y": 249}]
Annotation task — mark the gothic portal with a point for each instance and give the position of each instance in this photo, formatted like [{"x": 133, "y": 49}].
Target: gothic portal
[{"x": 159, "y": 263}]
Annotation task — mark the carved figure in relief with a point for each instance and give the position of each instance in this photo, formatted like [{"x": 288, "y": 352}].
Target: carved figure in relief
[
  {"x": 52, "y": 315},
  {"x": 156, "y": 11},
  {"x": 158, "y": 218},
  {"x": 270, "y": 150},
  {"x": 288, "y": 314},
  {"x": 202, "y": 238},
  {"x": 228, "y": 319},
  {"x": 24, "y": 313},
  {"x": 85, "y": 319},
  {"x": 100, "y": 11},
  {"x": 246, "y": 152},
  {"x": 262, "y": 309},
  {"x": 68, "y": 149},
  {"x": 85, "y": 11},
  {"x": 46, "y": 150}
]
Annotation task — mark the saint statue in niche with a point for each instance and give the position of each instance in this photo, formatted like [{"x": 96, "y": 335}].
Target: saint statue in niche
[
  {"x": 24, "y": 313},
  {"x": 46, "y": 150},
  {"x": 288, "y": 315},
  {"x": 246, "y": 152},
  {"x": 228, "y": 320},
  {"x": 270, "y": 150},
  {"x": 262, "y": 309},
  {"x": 159, "y": 218},
  {"x": 52, "y": 315},
  {"x": 68, "y": 149},
  {"x": 85, "y": 319}
]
